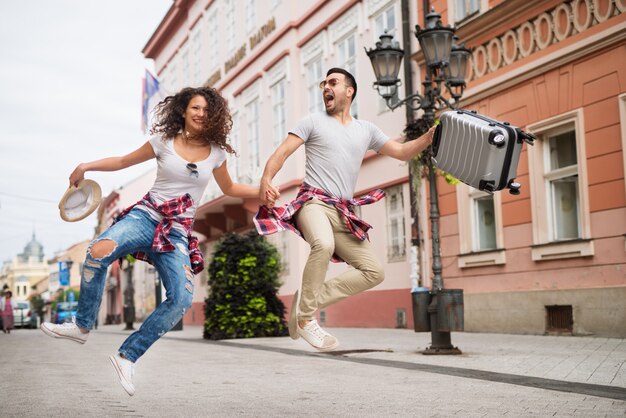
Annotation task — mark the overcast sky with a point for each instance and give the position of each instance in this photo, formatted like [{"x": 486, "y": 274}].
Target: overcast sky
[{"x": 70, "y": 91}]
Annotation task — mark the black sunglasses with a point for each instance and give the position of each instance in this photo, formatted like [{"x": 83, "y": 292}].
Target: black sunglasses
[{"x": 193, "y": 170}]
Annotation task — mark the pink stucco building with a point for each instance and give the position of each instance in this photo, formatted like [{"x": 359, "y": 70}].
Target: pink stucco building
[{"x": 552, "y": 259}]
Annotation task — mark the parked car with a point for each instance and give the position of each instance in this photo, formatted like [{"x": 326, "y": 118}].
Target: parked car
[
  {"x": 65, "y": 311},
  {"x": 23, "y": 315}
]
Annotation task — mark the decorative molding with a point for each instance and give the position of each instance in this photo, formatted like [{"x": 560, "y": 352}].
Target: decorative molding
[
  {"x": 277, "y": 72},
  {"x": 374, "y": 6},
  {"x": 611, "y": 36},
  {"x": 312, "y": 49},
  {"x": 249, "y": 86},
  {"x": 252, "y": 91},
  {"x": 542, "y": 31},
  {"x": 565, "y": 249},
  {"x": 347, "y": 23},
  {"x": 481, "y": 259}
]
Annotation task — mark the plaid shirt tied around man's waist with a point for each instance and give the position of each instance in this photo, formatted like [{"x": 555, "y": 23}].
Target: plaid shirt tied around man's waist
[
  {"x": 271, "y": 220},
  {"x": 161, "y": 243}
]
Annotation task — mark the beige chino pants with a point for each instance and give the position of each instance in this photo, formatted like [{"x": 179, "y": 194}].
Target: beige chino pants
[{"x": 325, "y": 230}]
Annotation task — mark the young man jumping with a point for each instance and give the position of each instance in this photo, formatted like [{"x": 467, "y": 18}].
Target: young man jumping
[{"x": 335, "y": 145}]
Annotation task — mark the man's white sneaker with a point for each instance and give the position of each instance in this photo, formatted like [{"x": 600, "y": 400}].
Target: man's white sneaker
[
  {"x": 67, "y": 330},
  {"x": 125, "y": 371},
  {"x": 317, "y": 337},
  {"x": 292, "y": 324}
]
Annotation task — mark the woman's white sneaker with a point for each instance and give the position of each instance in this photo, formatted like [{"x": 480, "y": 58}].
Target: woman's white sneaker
[
  {"x": 67, "y": 330},
  {"x": 317, "y": 337},
  {"x": 125, "y": 370}
]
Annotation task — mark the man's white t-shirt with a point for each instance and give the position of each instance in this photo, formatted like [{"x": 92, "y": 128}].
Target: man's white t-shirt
[{"x": 334, "y": 152}]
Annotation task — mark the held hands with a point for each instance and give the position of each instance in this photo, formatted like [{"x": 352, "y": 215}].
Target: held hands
[
  {"x": 77, "y": 175},
  {"x": 268, "y": 194}
]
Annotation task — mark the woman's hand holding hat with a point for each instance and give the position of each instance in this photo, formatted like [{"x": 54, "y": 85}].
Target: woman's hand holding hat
[{"x": 77, "y": 175}]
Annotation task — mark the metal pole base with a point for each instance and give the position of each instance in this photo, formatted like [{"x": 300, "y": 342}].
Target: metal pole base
[
  {"x": 441, "y": 345},
  {"x": 441, "y": 351},
  {"x": 129, "y": 327}
]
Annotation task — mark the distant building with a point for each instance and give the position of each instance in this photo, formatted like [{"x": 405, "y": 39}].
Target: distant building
[{"x": 26, "y": 271}]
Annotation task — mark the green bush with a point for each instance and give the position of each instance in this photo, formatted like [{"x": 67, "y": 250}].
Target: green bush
[{"x": 243, "y": 288}]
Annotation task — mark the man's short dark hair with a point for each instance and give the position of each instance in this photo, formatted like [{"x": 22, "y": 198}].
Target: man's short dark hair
[{"x": 349, "y": 77}]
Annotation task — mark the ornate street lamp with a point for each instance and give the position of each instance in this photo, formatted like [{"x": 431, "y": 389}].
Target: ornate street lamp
[
  {"x": 435, "y": 41},
  {"x": 456, "y": 70},
  {"x": 446, "y": 65},
  {"x": 386, "y": 60}
]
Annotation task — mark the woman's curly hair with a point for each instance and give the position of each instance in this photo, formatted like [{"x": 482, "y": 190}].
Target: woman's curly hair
[{"x": 170, "y": 120}]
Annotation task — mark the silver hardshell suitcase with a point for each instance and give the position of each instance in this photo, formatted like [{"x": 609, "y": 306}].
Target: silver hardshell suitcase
[{"x": 479, "y": 151}]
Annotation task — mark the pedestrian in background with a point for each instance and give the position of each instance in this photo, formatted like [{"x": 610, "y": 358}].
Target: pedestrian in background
[
  {"x": 6, "y": 310},
  {"x": 322, "y": 213},
  {"x": 190, "y": 147}
]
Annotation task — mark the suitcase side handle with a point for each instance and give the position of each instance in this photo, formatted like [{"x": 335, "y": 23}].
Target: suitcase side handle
[
  {"x": 525, "y": 136},
  {"x": 436, "y": 139}
]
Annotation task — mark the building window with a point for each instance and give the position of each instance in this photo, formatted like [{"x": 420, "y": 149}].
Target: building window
[
  {"x": 465, "y": 8},
  {"x": 396, "y": 238},
  {"x": 252, "y": 115},
  {"x": 484, "y": 222},
  {"x": 185, "y": 64},
  {"x": 386, "y": 21},
  {"x": 346, "y": 56},
  {"x": 279, "y": 112},
  {"x": 561, "y": 178},
  {"x": 172, "y": 78},
  {"x": 212, "y": 27},
  {"x": 557, "y": 169},
  {"x": 313, "y": 77},
  {"x": 481, "y": 237},
  {"x": 196, "y": 51},
  {"x": 250, "y": 15},
  {"x": 230, "y": 25},
  {"x": 233, "y": 159}
]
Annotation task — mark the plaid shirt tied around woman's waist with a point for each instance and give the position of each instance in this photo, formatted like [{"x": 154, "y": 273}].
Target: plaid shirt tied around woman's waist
[
  {"x": 161, "y": 243},
  {"x": 271, "y": 220}
]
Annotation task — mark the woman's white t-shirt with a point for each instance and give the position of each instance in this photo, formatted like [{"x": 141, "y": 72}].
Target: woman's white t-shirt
[{"x": 174, "y": 178}]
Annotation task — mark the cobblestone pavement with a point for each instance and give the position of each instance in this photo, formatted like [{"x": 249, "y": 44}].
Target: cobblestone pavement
[{"x": 376, "y": 373}]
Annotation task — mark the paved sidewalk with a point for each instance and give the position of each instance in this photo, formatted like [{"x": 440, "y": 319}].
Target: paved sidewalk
[{"x": 376, "y": 373}]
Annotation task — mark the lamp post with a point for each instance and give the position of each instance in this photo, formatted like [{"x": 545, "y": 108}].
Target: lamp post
[{"x": 446, "y": 65}]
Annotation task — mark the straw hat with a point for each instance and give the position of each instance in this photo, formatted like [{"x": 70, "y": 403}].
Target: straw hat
[{"x": 79, "y": 202}]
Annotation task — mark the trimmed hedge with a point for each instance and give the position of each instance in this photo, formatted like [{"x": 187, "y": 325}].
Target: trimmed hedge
[{"x": 243, "y": 290}]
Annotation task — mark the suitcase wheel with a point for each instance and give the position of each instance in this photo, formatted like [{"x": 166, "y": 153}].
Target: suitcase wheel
[
  {"x": 497, "y": 138},
  {"x": 514, "y": 187}
]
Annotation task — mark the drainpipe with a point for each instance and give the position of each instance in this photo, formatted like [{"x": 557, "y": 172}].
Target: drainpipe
[{"x": 414, "y": 261}]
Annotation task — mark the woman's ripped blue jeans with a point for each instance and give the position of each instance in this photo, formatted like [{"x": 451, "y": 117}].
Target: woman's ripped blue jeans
[{"x": 133, "y": 233}]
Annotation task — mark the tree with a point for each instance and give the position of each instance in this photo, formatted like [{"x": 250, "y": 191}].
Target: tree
[
  {"x": 37, "y": 303},
  {"x": 243, "y": 290}
]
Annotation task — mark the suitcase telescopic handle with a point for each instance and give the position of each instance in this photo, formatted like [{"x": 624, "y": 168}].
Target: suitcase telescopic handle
[{"x": 436, "y": 139}]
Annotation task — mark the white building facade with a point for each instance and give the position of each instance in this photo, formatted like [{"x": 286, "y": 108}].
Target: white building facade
[{"x": 267, "y": 58}]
